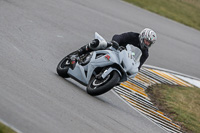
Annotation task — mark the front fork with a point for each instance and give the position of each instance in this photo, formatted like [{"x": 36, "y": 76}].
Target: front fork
[{"x": 108, "y": 71}]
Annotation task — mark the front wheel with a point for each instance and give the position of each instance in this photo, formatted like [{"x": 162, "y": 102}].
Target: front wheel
[
  {"x": 63, "y": 67},
  {"x": 100, "y": 86}
]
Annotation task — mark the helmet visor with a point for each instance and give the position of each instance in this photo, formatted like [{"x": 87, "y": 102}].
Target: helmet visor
[{"x": 147, "y": 42}]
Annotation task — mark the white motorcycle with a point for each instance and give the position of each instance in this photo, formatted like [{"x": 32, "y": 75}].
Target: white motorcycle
[{"x": 101, "y": 70}]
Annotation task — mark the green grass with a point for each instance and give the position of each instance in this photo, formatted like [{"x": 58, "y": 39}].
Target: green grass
[
  {"x": 5, "y": 129},
  {"x": 183, "y": 11},
  {"x": 181, "y": 104}
]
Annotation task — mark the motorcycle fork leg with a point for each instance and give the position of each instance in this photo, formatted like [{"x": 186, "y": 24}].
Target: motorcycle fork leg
[{"x": 99, "y": 76}]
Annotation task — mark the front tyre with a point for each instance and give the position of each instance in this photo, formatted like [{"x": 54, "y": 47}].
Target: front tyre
[
  {"x": 63, "y": 67},
  {"x": 98, "y": 87}
]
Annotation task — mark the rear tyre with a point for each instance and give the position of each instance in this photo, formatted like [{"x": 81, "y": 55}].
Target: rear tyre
[
  {"x": 98, "y": 87},
  {"x": 63, "y": 67}
]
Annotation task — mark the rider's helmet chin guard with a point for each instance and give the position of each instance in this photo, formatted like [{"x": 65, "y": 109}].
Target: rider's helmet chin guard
[{"x": 148, "y": 35}]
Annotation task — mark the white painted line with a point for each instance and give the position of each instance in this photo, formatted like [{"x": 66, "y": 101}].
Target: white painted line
[
  {"x": 60, "y": 36},
  {"x": 170, "y": 71},
  {"x": 191, "y": 81},
  {"x": 10, "y": 126}
]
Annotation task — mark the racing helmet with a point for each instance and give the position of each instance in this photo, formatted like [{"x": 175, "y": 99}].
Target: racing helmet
[{"x": 147, "y": 37}]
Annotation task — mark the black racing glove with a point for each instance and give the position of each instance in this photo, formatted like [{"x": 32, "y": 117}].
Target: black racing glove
[
  {"x": 114, "y": 44},
  {"x": 94, "y": 43}
]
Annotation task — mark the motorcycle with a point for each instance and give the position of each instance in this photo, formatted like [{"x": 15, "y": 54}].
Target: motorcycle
[{"x": 101, "y": 70}]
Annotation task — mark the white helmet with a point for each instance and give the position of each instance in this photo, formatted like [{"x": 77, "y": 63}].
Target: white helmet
[{"x": 148, "y": 35}]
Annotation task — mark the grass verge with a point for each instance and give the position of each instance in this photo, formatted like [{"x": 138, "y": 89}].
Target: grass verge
[
  {"x": 5, "y": 129},
  {"x": 181, "y": 104},
  {"x": 183, "y": 11}
]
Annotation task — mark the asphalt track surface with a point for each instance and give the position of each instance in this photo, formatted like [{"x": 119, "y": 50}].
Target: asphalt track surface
[{"x": 36, "y": 35}]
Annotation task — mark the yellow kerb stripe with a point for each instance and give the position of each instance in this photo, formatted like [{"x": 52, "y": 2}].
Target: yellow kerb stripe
[
  {"x": 160, "y": 112},
  {"x": 134, "y": 89},
  {"x": 131, "y": 84},
  {"x": 143, "y": 110},
  {"x": 144, "y": 79},
  {"x": 151, "y": 111},
  {"x": 176, "y": 126},
  {"x": 170, "y": 77}
]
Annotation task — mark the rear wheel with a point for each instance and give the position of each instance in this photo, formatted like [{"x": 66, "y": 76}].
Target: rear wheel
[
  {"x": 100, "y": 86},
  {"x": 63, "y": 67}
]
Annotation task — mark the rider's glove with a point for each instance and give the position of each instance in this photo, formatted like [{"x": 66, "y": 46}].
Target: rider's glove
[
  {"x": 94, "y": 43},
  {"x": 114, "y": 44}
]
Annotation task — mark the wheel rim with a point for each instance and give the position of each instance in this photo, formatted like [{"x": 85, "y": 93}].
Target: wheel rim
[
  {"x": 65, "y": 63},
  {"x": 99, "y": 82}
]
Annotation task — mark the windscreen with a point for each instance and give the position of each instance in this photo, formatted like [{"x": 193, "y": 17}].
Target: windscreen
[
  {"x": 99, "y": 37},
  {"x": 135, "y": 52}
]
